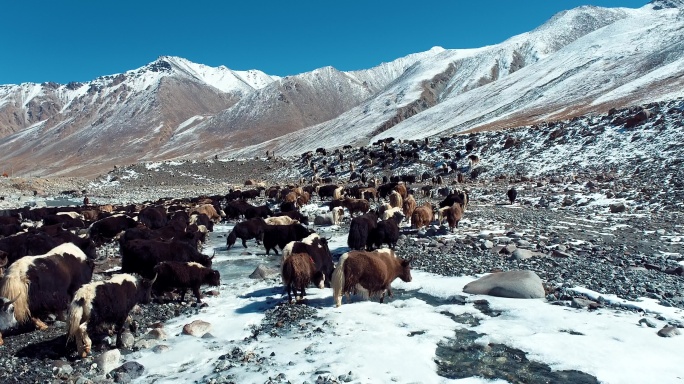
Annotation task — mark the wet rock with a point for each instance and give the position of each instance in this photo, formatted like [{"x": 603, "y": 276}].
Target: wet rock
[
  {"x": 647, "y": 322},
  {"x": 578, "y": 302},
  {"x": 60, "y": 368},
  {"x": 263, "y": 272},
  {"x": 197, "y": 328},
  {"x": 524, "y": 254},
  {"x": 127, "y": 372},
  {"x": 127, "y": 340},
  {"x": 679, "y": 271},
  {"x": 520, "y": 284},
  {"x": 558, "y": 253},
  {"x": 669, "y": 331},
  {"x": 108, "y": 360},
  {"x": 156, "y": 334},
  {"x": 617, "y": 208},
  {"x": 161, "y": 348}
]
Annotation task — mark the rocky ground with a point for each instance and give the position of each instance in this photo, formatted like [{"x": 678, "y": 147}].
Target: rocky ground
[{"x": 614, "y": 228}]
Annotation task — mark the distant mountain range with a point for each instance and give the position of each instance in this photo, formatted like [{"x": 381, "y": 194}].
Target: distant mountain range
[{"x": 581, "y": 61}]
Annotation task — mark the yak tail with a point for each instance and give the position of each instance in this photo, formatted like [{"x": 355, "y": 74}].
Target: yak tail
[
  {"x": 14, "y": 287},
  {"x": 287, "y": 251},
  {"x": 232, "y": 238},
  {"x": 337, "y": 280},
  {"x": 337, "y": 193},
  {"x": 287, "y": 273},
  {"x": 74, "y": 318}
]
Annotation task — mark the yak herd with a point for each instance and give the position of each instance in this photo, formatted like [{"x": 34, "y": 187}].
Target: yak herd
[{"x": 48, "y": 254}]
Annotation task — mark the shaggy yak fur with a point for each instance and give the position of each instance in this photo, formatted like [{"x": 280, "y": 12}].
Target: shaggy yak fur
[
  {"x": 359, "y": 229},
  {"x": 422, "y": 216},
  {"x": 369, "y": 273},
  {"x": 299, "y": 270}
]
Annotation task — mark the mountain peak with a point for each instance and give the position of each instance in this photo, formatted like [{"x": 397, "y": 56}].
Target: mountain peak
[{"x": 663, "y": 4}]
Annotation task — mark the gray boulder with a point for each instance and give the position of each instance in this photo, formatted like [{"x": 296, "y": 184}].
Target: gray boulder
[
  {"x": 263, "y": 272},
  {"x": 513, "y": 284}
]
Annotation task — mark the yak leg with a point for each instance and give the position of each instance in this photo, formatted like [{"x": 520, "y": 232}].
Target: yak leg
[
  {"x": 1, "y": 340},
  {"x": 303, "y": 292},
  {"x": 83, "y": 342},
  {"x": 196, "y": 291},
  {"x": 119, "y": 330},
  {"x": 387, "y": 291},
  {"x": 39, "y": 324},
  {"x": 182, "y": 294},
  {"x": 244, "y": 243},
  {"x": 289, "y": 293}
]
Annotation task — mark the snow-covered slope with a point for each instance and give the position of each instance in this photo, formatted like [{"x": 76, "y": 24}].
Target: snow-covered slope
[
  {"x": 86, "y": 128},
  {"x": 583, "y": 60},
  {"x": 289, "y": 105}
]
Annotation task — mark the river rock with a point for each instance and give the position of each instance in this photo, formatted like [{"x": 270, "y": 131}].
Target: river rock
[
  {"x": 156, "y": 334},
  {"x": 617, "y": 208},
  {"x": 127, "y": 340},
  {"x": 578, "y": 302},
  {"x": 127, "y": 372},
  {"x": 161, "y": 348},
  {"x": 263, "y": 272},
  {"x": 197, "y": 328},
  {"x": 108, "y": 360},
  {"x": 60, "y": 367},
  {"x": 648, "y": 322},
  {"x": 669, "y": 331},
  {"x": 517, "y": 284},
  {"x": 521, "y": 254}
]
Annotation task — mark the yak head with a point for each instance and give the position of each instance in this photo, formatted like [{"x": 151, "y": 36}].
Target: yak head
[
  {"x": 232, "y": 237},
  {"x": 7, "y": 319},
  {"x": 213, "y": 278},
  {"x": 405, "y": 274},
  {"x": 145, "y": 290}
]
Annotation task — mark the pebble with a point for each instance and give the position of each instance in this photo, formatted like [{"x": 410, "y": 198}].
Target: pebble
[{"x": 648, "y": 322}]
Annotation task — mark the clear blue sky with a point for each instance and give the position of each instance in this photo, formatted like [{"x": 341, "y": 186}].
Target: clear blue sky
[{"x": 70, "y": 40}]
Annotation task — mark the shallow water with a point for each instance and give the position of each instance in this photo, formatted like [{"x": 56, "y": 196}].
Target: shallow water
[
  {"x": 237, "y": 262},
  {"x": 462, "y": 356}
]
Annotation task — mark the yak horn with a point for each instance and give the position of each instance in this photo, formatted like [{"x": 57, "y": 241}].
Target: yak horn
[
  {"x": 11, "y": 301},
  {"x": 212, "y": 256},
  {"x": 155, "y": 278}
]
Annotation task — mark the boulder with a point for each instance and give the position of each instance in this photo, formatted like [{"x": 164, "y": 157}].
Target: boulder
[
  {"x": 263, "y": 272},
  {"x": 108, "y": 360},
  {"x": 197, "y": 328},
  {"x": 156, "y": 334},
  {"x": 617, "y": 208},
  {"x": 516, "y": 284},
  {"x": 669, "y": 331},
  {"x": 127, "y": 372}
]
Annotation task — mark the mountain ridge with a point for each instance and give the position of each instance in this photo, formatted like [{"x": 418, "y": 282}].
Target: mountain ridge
[{"x": 583, "y": 60}]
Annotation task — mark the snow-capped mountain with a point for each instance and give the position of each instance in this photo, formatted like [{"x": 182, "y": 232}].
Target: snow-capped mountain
[
  {"x": 609, "y": 58},
  {"x": 584, "y": 60},
  {"x": 88, "y": 127}
]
